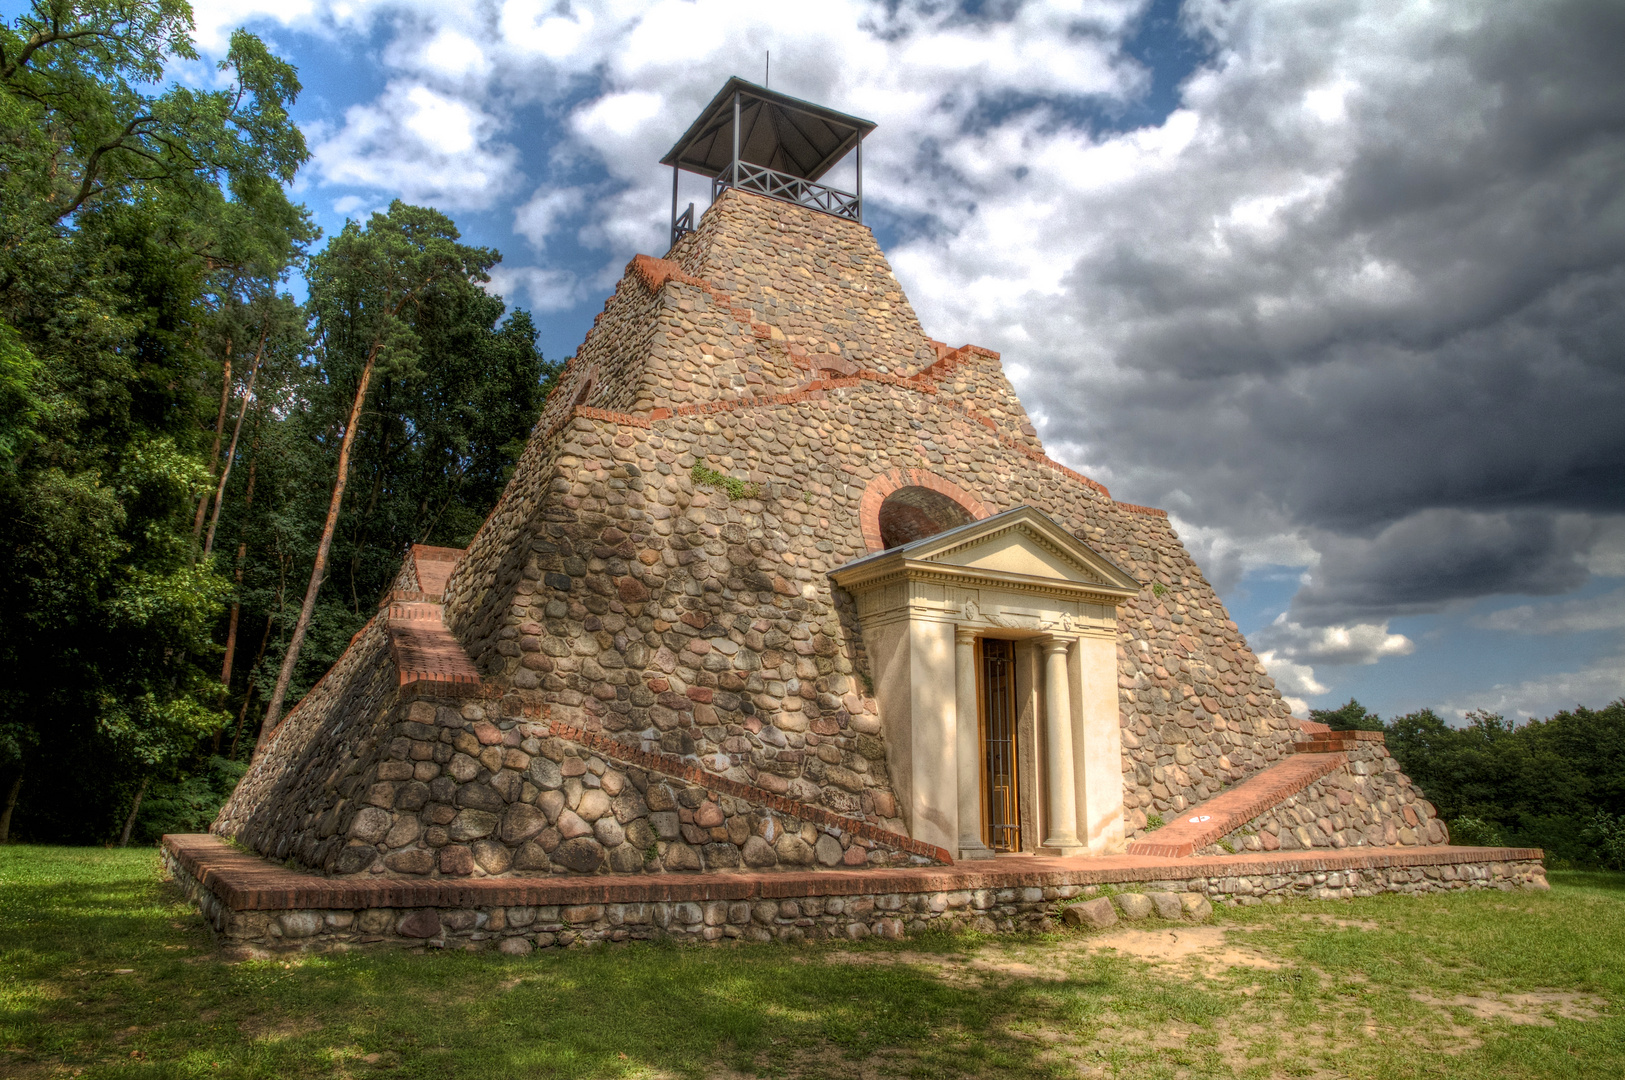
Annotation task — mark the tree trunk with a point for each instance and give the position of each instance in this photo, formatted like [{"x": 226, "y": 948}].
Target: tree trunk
[
  {"x": 219, "y": 430},
  {"x": 231, "y": 454},
  {"x": 11, "y": 804},
  {"x": 319, "y": 570},
  {"x": 248, "y": 695},
  {"x": 135, "y": 808},
  {"x": 237, "y": 602}
]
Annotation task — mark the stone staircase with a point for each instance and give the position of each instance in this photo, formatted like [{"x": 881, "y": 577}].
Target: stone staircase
[
  {"x": 423, "y": 648},
  {"x": 1322, "y": 753}
]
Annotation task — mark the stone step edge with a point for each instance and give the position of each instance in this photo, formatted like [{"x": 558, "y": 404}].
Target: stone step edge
[
  {"x": 1235, "y": 806},
  {"x": 246, "y": 882},
  {"x": 681, "y": 768},
  {"x": 418, "y": 630}
]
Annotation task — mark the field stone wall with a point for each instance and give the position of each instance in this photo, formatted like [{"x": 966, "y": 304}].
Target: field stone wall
[
  {"x": 518, "y": 930},
  {"x": 329, "y": 738},
  {"x": 1367, "y": 803}
]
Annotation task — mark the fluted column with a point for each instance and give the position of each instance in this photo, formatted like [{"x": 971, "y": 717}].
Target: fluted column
[
  {"x": 1062, "y": 823},
  {"x": 967, "y": 747}
]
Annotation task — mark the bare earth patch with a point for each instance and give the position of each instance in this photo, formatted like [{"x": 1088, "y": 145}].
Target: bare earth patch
[
  {"x": 1206, "y": 945},
  {"x": 1542, "y": 1008}
]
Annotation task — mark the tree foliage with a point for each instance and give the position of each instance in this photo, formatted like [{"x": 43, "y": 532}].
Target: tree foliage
[
  {"x": 146, "y": 235},
  {"x": 1557, "y": 783}
]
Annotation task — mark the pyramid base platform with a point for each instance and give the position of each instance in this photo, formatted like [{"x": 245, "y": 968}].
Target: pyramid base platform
[{"x": 258, "y": 907}]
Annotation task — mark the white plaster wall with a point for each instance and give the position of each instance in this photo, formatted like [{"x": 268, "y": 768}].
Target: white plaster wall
[
  {"x": 934, "y": 779},
  {"x": 1097, "y": 744}
]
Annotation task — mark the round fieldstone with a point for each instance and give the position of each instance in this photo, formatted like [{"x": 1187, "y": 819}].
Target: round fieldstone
[
  {"x": 370, "y": 825},
  {"x": 581, "y": 854},
  {"x": 594, "y": 805},
  {"x": 300, "y": 924},
  {"x": 456, "y": 860},
  {"x": 354, "y": 859},
  {"x": 571, "y": 826},
  {"x": 827, "y": 850},
  {"x": 608, "y": 831},
  {"x": 1096, "y": 914},
  {"x": 794, "y": 850},
  {"x": 411, "y": 861},
  {"x": 544, "y": 774},
  {"x": 531, "y": 856},
  {"x": 1166, "y": 905},
  {"x": 494, "y": 858},
  {"x": 625, "y": 859},
  {"x": 1134, "y": 905},
  {"x": 640, "y": 834},
  {"x": 758, "y": 853},
  {"x": 472, "y": 824},
  {"x": 680, "y": 856},
  {"x": 515, "y": 946},
  {"x": 522, "y": 821},
  {"x": 419, "y": 924}
]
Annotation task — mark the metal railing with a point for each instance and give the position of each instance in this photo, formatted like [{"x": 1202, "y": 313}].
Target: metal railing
[
  {"x": 682, "y": 226},
  {"x": 790, "y": 189}
]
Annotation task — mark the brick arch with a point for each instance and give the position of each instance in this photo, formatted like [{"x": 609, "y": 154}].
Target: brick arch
[{"x": 886, "y": 483}]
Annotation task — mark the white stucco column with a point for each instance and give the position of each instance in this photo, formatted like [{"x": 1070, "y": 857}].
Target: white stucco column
[
  {"x": 967, "y": 749},
  {"x": 1062, "y": 818}
]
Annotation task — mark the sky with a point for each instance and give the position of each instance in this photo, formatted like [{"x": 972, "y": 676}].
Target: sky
[{"x": 1340, "y": 284}]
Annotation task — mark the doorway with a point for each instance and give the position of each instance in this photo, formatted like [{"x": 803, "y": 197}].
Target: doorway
[{"x": 1000, "y": 795}]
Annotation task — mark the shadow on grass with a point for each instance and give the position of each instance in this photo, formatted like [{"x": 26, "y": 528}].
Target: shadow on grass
[{"x": 103, "y": 968}]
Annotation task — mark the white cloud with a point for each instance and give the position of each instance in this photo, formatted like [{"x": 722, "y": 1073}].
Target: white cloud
[
  {"x": 1290, "y": 677},
  {"x": 1358, "y": 643},
  {"x": 1593, "y": 686},
  {"x": 541, "y": 216},
  {"x": 1605, "y": 612},
  {"x": 536, "y": 288},
  {"x": 421, "y": 144}
]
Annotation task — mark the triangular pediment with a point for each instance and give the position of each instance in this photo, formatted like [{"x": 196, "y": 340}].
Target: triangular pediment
[
  {"x": 1023, "y": 543},
  {"x": 1018, "y": 551}
]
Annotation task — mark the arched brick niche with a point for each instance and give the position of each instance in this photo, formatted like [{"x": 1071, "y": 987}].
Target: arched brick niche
[{"x": 904, "y": 505}]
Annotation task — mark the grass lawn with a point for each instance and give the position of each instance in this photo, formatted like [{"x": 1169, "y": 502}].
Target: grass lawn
[{"x": 105, "y": 971}]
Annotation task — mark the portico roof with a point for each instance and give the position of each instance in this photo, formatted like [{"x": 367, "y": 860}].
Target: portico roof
[{"x": 1023, "y": 546}]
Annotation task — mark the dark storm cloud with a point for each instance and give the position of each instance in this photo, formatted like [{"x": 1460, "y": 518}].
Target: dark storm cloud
[
  {"x": 1381, "y": 302},
  {"x": 1434, "y": 557}
]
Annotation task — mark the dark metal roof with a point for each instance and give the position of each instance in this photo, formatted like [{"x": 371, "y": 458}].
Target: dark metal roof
[{"x": 783, "y": 133}]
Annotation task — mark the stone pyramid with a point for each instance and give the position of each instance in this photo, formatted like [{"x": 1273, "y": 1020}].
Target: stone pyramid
[{"x": 641, "y": 663}]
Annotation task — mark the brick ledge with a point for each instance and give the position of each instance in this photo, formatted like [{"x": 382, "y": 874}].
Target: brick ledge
[
  {"x": 246, "y": 882},
  {"x": 1233, "y": 808}
]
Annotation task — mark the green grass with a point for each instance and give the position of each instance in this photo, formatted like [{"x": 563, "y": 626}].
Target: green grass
[{"x": 1372, "y": 988}]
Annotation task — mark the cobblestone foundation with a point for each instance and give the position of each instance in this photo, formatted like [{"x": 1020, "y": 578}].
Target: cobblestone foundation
[{"x": 775, "y": 907}]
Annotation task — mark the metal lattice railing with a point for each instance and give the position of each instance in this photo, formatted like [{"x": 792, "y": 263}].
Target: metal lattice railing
[
  {"x": 683, "y": 225},
  {"x": 790, "y": 189}
]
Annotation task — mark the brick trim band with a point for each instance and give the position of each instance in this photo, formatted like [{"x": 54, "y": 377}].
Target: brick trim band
[
  {"x": 678, "y": 767},
  {"x": 1148, "y": 511},
  {"x": 244, "y": 882}
]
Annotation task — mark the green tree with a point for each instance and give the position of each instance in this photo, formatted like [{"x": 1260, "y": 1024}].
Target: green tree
[
  {"x": 127, "y": 212},
  {"x": 365, "y": 289},
  {"x": 1351, "y": 717}
]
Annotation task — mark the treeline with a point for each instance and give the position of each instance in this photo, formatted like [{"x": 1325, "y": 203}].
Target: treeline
[
  {"x": 172, "y": 421},
  {"x": 1557, "y": 783}
]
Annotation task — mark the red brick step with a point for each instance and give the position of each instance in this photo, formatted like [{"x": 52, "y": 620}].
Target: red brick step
[{"x": 1226, "y": 812}]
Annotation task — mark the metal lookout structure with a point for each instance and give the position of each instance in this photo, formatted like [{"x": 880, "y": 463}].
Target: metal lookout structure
[{"x": 762, "y": 141}]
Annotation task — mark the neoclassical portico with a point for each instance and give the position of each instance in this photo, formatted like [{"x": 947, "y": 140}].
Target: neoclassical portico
[{"x": 993, "y": 648}]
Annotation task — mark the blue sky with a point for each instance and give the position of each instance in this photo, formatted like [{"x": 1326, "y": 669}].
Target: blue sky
[{"x": 1338, "y": 283}]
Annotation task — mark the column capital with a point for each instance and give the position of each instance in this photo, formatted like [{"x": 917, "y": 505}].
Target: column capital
[
  {"x": 1053, "y": 644},
  {"x": 964, "y": 634}
]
